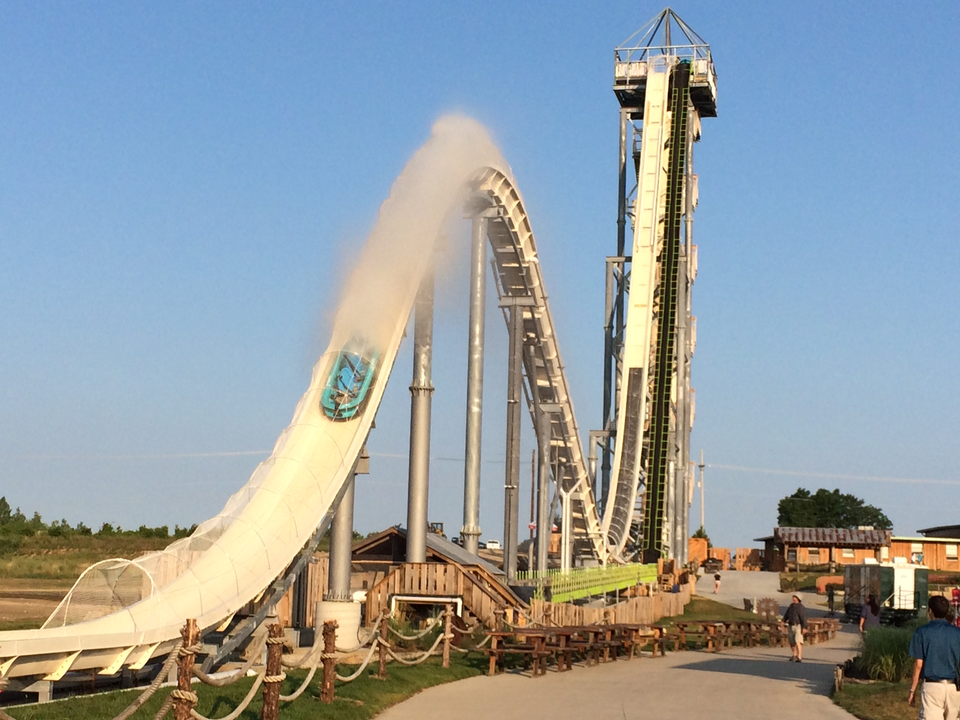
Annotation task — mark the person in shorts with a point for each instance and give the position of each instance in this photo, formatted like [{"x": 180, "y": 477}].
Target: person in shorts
[{"x": 796, "y": 619}]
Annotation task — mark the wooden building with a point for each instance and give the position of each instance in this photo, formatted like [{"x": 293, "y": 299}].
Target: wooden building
[
  {"x": 791, "y": 548},
  {"x": 937, "y": 553}
]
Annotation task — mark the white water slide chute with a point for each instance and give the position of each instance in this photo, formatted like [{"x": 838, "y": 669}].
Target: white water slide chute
[
  {"x": 667, "y": 81},
  {"x": 128, "y": 613}
]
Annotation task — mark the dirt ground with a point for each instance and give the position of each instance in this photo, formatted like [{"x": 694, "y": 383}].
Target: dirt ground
[{"x": 25, "y": 600}]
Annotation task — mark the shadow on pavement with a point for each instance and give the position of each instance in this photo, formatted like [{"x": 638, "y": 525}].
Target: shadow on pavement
[{"x": 810, "y": 675}]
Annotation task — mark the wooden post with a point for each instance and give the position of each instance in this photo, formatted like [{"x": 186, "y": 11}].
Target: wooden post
[
  {"x": 329, "y": 661},
  {"x": 382, "y": 670},
  {"x": 498, "y": 618},
  {"x": 274, "y": 673},
  {"x": 184, "y": 700},
  {"x": 447, "y": 633},
  {"x": 547, "y": 613}
]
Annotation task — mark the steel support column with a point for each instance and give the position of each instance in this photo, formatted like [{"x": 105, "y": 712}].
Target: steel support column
[
  {"x": 542, "y": 413},
  {"x": 614, "y": 312},
  {"x": 470, "y": 532},
  {"x": 609, "y": 391},
  {"x": 421, "y": 391},
  {"x": 684, "y": 353},
  {"x": 566, "y": 532},
  {"x": 511, "y": 486},
  {"x": 341, "y": 547},
  {"x": 544, "y": 521}
]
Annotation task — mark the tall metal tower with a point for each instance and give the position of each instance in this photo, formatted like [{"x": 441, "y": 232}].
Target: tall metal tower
[{"x": 665, "y": 82}]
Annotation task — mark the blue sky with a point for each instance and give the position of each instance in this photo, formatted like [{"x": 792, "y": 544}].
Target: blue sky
[{"x": 181, "y": 187}]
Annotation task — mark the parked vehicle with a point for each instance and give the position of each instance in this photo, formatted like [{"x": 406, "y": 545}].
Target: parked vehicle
[
  {"x": 712, "y": 565},
  {"x": 494, "y": 545},
  {"x": 901, "y": 588}
]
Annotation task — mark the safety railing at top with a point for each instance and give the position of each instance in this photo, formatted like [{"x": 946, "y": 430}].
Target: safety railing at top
[
  {"x": 693, "y": 51},
  {"x": 585, "y": 582}
]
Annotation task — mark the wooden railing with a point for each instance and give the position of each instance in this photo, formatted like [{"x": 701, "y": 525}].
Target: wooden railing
[{"x": 482, "y": 593}]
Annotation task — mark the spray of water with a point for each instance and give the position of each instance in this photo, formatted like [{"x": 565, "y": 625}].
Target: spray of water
[{"x": 400, "y": 246}]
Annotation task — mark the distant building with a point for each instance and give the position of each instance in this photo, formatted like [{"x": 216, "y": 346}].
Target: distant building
[
  {"x": 937, "y": 552},
  {"x": 820, "y": 548},
  {"x": 941, "y": 531},
  {"x": 792, "y": 548}
]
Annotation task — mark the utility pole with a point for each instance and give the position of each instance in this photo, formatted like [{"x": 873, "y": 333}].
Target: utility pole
[{"x": 701, "y": 487}]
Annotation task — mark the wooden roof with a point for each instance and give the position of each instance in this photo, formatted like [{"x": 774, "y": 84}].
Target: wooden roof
[
  {"x": 832, "y": 537},
  {"x": 391, "y": 546}
]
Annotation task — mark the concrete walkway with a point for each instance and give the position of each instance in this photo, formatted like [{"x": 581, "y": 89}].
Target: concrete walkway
[
  {"x": 740, "y": 683},
  {"x": 737, "y": 586}
]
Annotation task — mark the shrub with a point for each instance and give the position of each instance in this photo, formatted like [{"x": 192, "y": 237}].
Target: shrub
[
  {"x": 10, "y": 543},
  {"x": 885, "y": 653}
]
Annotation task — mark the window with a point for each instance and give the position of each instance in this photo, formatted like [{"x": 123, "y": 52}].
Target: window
[
  {"x": 884, "y": 553},
  {"x": 791, "y": 555},
  {"x": 848, "y": 552},
  {"x": 813, "y": 554},
  {"x": 951, "y": 552},
  {"x": 916, "y": 547}
]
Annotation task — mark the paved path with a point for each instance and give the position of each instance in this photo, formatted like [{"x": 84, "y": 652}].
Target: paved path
[
  {"x": 736, "y": 586},
  {"x": 737, "y": 684}
]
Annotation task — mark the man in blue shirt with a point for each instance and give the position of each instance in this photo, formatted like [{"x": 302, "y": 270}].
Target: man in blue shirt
[{"x": 936, "y": 647}]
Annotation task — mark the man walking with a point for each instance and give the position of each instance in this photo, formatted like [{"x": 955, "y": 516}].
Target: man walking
[
  {"x": 796, "y": 619},
  {"x": 936, "y": 649}
]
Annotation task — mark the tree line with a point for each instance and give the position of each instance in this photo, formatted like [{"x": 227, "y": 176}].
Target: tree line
[{"x": 15, "y": 523}]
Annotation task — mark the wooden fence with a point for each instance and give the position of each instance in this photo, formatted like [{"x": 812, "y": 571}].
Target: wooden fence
[{"x": 647, "y": 610}]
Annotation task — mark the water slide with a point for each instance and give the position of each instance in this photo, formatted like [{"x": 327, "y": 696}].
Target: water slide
[
  {"x": 633, "y": 420},
  {"x": 651, "y": 457},
  {"x": 125, "y": 613}
]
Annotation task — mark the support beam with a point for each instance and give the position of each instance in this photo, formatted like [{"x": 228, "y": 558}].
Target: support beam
[
  {"x": 543, "y": 412},
  {"x": 566, "y": 532},
  {"x": 609, "y": 391},
  {"x": 341, "y": 547},
  {"x": 511, "y": 486},
  {"x": 470, "y": 532},
  {"x": 421, "y": 392}
]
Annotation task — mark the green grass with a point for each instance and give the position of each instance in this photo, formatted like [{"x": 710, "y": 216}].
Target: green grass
[
  {"x": 800, "y": 581},
  {"x": 362, "y": 699},
  {"x": 63, "y": 558},
  {"x": 877, "y": 701},
  {"x": 701, "y": 608},
  {"x": 19, "y": 625}
]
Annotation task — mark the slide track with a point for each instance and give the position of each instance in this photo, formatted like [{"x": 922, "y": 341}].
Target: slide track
[{"x": 253, "y": 547}]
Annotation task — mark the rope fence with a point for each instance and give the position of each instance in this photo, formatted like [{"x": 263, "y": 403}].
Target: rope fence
[{"x": 325, "y": 656}]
